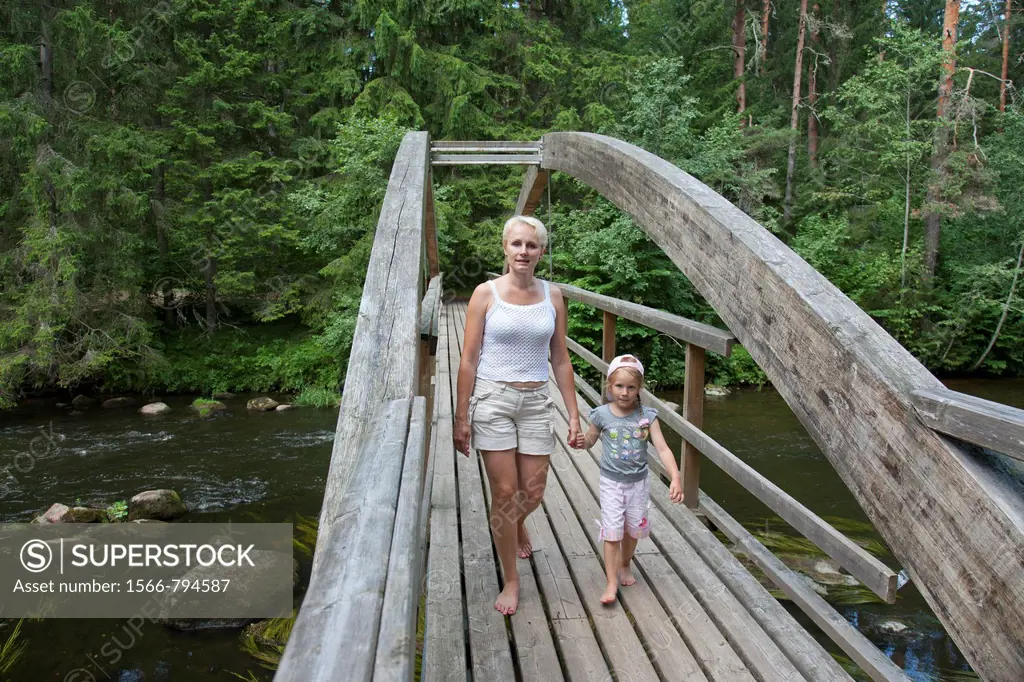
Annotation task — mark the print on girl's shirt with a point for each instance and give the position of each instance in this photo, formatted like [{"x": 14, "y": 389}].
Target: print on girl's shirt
[{"x": 628, "y": 444}]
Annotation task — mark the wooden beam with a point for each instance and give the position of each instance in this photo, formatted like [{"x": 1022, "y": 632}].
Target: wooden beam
[
  {"x": 693, "y": 412},
  {"x": 975, "y": 420},
  {"x": 485, "y": 159},
  {"x": 387, "y": 327},
  {"x": 429, "y": 309},
  {"x": 875, "y": 575},
  {"x": 450, "y": 146},
  {"x": 335, "y": 632},
  {"x": 396, "y": 644},
  {"x": 704, "y": 335},
  {"x": 430, "y": 230},
  {"x": 872, "y": 661},
  {"x": 444, "y": 646},
  {"x": 608, "y": 337},
  {"x": 955, "y": 525},
  {"x": 532, "y": 190}
]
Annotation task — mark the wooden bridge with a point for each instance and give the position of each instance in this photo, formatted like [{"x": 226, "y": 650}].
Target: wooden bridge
[{"x": 404, "y": 532}]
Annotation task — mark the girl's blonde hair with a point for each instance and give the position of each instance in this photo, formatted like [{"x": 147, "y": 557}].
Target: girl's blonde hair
[
  {"x": 539, "y": 230},
  {"x": 633, "y": 373}
]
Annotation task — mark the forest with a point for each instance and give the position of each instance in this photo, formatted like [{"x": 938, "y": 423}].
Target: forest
[{"x": 189, "y": 188}]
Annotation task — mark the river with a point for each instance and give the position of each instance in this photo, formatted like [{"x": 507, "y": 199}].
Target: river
[{"x": 267, "y": 467}]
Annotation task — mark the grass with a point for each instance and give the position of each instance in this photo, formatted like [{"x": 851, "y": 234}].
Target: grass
[
  {"x": 205, "y": 406},
  {"x": 12, "y": 649},
  {"x": 318, "y": 397},
  {"x": 305, "y": 529}
]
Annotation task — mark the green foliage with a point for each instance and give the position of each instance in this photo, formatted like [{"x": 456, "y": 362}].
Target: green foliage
[
  {"x": 118, "y": 511},
  {"x": 305, "y": 529},
  {"x": 13, "y": 648},
  {"x": 265, "y": 641},
  {"x": 189, "y": 202}
]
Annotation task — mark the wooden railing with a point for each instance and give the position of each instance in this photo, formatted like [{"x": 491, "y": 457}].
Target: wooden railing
[
  {"x": 955, "y": 520},
  {"x": 873, "y": 573},
  {"x": 358, "y": 618},
  {"x": 699, "y": 337}
]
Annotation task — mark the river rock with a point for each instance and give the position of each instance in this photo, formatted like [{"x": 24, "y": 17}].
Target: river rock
[
  {"x": 164, "y": 505},
  {"x": 84, "y": 515},
  {"x": 118, "y": 402},
  {"x": 263, "y": 403},
  {"x": 892, "y": 626},
  {"x": 283, "y": 408},
  {"x": 209, "y": 407},
  {"x": 80, "y": 402},
  {"x": 61, "y": 406},
  {"x": 672, "y": 406},
  {"x": 147, "y": 521},
  {"x": 717, "y": 391},
  {"x": 223, "y": 395},
  {"x": 55, "y": 514},
  {"x": 75, "y": 413},
  {"x": 248, "y": 581},
  {"x": 155, "y": 408}
]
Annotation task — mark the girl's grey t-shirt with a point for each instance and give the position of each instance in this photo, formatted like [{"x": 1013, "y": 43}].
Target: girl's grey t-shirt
[{"x": 624, "y": 442}]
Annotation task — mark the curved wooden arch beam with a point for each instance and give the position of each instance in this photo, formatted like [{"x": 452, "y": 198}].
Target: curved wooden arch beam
[{"x": 950, "y": 519}]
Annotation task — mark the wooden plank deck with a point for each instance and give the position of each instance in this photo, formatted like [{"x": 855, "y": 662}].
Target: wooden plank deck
[{"x": 687, "y": 618}]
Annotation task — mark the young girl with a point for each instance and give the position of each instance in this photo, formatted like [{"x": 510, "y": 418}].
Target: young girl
[{"x": 623, "y": 425}]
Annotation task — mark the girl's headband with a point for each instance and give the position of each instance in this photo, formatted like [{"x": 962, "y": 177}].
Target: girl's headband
[{"x": 625, "y": 361}]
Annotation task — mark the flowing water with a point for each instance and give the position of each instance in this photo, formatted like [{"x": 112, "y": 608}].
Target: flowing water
[{"x": 268, "y": 467}]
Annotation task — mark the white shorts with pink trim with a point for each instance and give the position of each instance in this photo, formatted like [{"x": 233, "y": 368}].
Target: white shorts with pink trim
[{"x": 624, "y": 509}]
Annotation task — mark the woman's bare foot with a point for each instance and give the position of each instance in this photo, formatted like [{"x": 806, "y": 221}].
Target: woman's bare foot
[
  {"x": 508, "y": 601},
  {"x": 609, "y": 594},
  {"x": 525, "y": 548},
  {"x": 626, "y": 576}
]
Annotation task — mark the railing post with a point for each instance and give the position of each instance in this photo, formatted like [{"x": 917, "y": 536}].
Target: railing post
[
  {"x": 608, "y": 337},
  {"x": 693, "y": 412}
]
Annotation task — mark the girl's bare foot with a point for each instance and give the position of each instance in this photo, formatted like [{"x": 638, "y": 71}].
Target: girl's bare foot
[
  {"x": 609, "y": 593},
  {"x": 525, "y": 548},
  {"x": 626, "y": 576},
  {"x": 508, "y": 601}
]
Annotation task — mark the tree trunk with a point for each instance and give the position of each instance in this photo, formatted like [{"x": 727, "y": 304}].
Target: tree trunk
[
  {"x": 210, "y": 269},
  {"x": 834, "y": 69},
  {"x": 932, "y": 225},
  {"x": 46, "y": 62},
  {"x": 794, "y": 119},
  {"x": 1006, "y": 55},
  {"x": 812, "y": 91},
  {"x": 739, "y": 47},
  {"x": 209, "y": 274},
  {"x": 906, "y": 203},
  {"x": 1006, "y": 308},
  {"x": 766, "y": 7},
  {"x": 163, "y": 246}
]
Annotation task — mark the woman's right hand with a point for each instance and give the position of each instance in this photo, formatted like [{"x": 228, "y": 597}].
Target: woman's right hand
[{"x": 461, "y": 436}]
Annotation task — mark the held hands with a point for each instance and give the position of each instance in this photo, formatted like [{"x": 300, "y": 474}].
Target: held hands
[
  {"x": 675, "y": 490},
  {"x": 576, "y": 438},
  {"x": 461, "y": 436}
]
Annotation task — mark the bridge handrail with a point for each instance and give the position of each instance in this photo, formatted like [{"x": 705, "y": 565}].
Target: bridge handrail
[
  {"x": 359, "y": 615},
  {"x": 699, "y": 334},
  {"x": 955, "y": 521},
  {"x": 875, "y": 575},
  {"x": 336, "y": 632},
  {"x": 975, "y": 420}
]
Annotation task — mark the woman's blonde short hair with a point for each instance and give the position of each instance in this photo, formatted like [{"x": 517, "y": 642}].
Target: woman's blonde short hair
[{"x": 539, "y": 230}]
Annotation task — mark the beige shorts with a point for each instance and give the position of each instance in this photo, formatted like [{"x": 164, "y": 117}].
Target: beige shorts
[{"x": 504, "y": 417}]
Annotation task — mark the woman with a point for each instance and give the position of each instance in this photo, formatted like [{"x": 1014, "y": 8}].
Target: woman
[{"x": 502, "y": 397}]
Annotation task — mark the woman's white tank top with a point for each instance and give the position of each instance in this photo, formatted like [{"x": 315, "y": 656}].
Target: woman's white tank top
[{"x": 516, "y": 340}]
